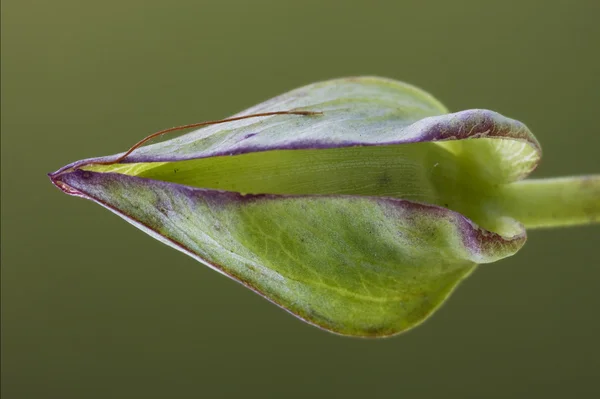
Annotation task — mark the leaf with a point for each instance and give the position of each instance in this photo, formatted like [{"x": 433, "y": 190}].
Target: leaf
[
  {"x": 361, "y": 220},
  {"x": 363, "y": 266}
]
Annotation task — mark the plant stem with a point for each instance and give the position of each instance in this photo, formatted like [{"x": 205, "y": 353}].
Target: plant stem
[{"x": 554, "y": 202}]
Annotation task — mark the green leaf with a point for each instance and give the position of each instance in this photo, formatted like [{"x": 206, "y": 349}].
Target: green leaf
[{"x": 363, "y": 266}]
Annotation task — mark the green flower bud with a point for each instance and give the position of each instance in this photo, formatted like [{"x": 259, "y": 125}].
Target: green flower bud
[{"x": 360, "y": 216}]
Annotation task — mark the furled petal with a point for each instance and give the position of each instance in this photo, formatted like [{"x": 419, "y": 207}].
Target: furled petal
[
  {"x": 355, "y": 265},
  {"x": 364, "y": 111}
]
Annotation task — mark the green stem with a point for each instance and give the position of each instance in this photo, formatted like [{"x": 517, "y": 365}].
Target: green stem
[{"x": 555, "y": 202}]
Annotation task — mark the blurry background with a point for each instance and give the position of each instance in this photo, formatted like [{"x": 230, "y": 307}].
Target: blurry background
[{"x": 93, "y": 308}]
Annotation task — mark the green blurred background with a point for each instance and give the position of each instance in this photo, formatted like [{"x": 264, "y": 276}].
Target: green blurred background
[{"x": 93, "y": 308}]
